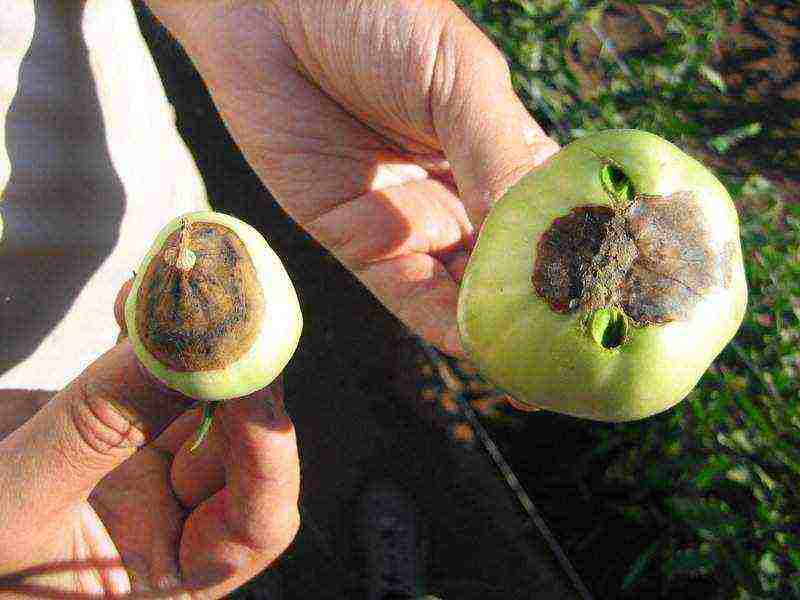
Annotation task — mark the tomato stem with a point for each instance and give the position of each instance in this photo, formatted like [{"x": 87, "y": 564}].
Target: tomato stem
[{"x": 205, "y": 423}]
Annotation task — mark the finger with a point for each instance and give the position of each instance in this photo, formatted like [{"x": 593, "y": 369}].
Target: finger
[
  {"x": 17, "y": 406},
  {"x": 423, "y": 216},
  {"x": 456, "y": 264},
  {"x": 92, "y": 426},
  {"x": 180, "y": 430},
  {"x": 419, "y": 290},
  {"x": 486, "y": 132},
  {"x": 197, "y": 475},
  {"x": 415, "y": 220},
  {"x": 119, "y": 306},
  {"x": 246, "y": 525}
]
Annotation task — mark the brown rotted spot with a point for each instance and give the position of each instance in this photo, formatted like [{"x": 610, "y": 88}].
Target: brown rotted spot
[
  {"x": 208, "y": 316},
  {"x": 653, "y": 259},
  {"x": 564, "y": 252}
]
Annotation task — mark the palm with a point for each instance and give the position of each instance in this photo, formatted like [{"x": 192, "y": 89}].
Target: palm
[
  {"x": 136, "y": 507},
  {"x": 132, "y": 532},
  {"x": 129, "y": 530},
  {"x": 345, "y": 112}
]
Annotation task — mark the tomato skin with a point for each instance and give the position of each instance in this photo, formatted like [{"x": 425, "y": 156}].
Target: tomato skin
[{"x": 550, "y": 360}]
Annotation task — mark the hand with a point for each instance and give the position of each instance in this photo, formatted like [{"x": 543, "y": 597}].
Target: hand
[
  {"x": 386, "y": 129},
  {"x": 99, "y": 495}
]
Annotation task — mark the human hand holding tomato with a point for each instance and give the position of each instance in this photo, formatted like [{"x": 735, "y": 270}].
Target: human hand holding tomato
[
  {"x": 99, "y": 494},
  {"x": 386, "y": 129}
]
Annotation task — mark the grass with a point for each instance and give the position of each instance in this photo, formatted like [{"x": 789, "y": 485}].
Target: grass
[{"x": 712, "y": 485}]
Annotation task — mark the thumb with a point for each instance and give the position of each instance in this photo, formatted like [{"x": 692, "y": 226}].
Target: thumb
[
  {"x": 87, "y": 430},
  {"x": 486, "y": 132}
]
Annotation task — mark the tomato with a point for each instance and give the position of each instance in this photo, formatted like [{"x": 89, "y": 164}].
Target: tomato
[{"x": 606, "y": 281}]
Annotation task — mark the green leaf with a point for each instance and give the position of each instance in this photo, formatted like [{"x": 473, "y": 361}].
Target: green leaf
[
  {"x": 723, "y": 143},
  {"x": 716, "y": 468},
  {"x": 661, "y": 10},
  {"x": 640, "y": 565},
  {"x": 690, "y": 562},
  {"x": 713, "y": 76}
]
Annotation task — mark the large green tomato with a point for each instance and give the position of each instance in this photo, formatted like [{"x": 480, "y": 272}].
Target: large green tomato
[{"x": 606, "y": 281}]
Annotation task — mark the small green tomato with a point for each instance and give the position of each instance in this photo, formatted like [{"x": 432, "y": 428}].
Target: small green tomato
[
  {"x": 212, "y": 312},
  {"x": 606, "y": 281}
]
